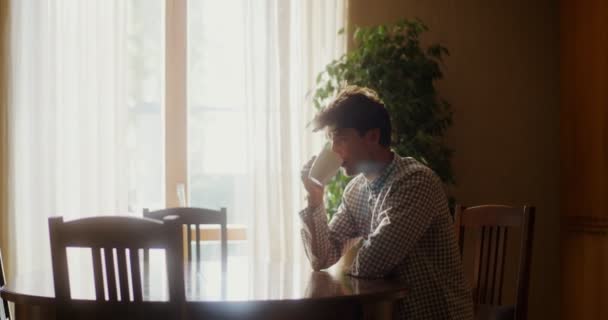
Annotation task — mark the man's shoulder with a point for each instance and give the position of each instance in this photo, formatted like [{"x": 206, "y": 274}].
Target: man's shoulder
[{"x": 408, "y": 168}]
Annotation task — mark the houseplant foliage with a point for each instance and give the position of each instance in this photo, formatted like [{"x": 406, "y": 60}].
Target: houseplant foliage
[{"x": 391, "y": 60}]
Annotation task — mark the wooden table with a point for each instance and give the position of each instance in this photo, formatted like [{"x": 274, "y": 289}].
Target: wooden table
[{"x": 249, "y": 290}]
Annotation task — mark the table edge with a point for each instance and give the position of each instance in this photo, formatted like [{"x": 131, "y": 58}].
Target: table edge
[{"x": 391, "y": 295}]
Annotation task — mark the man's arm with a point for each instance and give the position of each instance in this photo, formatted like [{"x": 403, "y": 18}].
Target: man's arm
[
  {"x": 407, "y": 212},
  {"x": 323, "y": 242}
]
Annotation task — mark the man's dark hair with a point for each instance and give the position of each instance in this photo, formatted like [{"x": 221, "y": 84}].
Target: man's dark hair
[{"x": 358, "y": 108}]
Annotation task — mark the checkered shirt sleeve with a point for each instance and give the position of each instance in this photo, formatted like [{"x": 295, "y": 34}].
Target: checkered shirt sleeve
[{"x": 324, "y": 243}]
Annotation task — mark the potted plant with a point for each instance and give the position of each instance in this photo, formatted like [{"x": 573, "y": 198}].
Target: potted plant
[{"x": 390, "y": 60}]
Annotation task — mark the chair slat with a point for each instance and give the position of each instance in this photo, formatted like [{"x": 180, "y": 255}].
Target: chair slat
[
  {"x": 198, "y": 242},
  {"x": 489, "y": 265},
  {"x": 135, "y": 274},
  {"x": 495, "y": 254},
  {"x": 458, "y": 229},
  {"x": 485, "y": 261},
  {"x": 224, "y": 244},
  {"x": 502, "y": 265},
  {"x": 224, "y": 228},
  {"x": 189, "y": 241},
  {"x": 123, "y": 279},
  {"x": 146, "y": 258},
  {"x": 461, "y": 240},
  {"x": 479, "y": 248},
  {"x": 110, "y": 274},
  {"x": 98, "y": 274},
  {"x": 174, "y": 257}
]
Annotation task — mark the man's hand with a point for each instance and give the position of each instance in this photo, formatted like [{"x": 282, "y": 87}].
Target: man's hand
[
  {"x": 315, "y": 191},
  {"x": 350, "y": 254}
]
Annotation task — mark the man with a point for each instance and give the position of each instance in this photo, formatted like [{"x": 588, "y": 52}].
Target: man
[{"x": 396, "y": 205}]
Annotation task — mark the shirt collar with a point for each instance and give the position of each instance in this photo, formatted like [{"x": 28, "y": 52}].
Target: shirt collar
[{"x": 378, "y": 182}]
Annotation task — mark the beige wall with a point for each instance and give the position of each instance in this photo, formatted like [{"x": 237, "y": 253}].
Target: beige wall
[{"x": 502, "y": 81}]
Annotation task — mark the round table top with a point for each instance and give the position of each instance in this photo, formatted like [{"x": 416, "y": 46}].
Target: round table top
[{"x": 245, "y": 281}]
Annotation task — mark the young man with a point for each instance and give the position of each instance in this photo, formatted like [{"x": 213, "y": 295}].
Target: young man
[{"x": 396, "y": 205}]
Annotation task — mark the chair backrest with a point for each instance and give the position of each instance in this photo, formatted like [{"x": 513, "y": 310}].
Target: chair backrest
[
  {"x": 192, "y": 218},
  {"x": 493, "y": 223},
  {"x": 125, "y": 236},
  {"x": 5, "y": 313}
]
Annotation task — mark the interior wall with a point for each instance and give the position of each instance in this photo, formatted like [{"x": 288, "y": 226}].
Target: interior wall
[{"x": 502, "y": 79}]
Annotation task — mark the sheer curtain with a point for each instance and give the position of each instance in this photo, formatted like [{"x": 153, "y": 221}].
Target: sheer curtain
[
  {"x": 287, "y": 44},
  {"x": 76, "y": 149},
  {"x": 68, "y": 118}
]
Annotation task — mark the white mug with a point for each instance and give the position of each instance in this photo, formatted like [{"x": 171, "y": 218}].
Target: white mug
[{"x": 325, "y": 166}]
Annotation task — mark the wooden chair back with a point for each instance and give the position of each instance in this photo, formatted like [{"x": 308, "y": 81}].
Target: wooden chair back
[
  {"x": 193, "y": 218},
  {"x": 493, "y": 222},
  {"x": 123, "y": 237}
]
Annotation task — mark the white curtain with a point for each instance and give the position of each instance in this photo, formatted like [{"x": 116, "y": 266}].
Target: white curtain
[
  {"x": 71, "y": 137},
  {"x": 287, "y": 44},
  {"x": 68, "y": 118},
  {"x": 285, "y": 49}
]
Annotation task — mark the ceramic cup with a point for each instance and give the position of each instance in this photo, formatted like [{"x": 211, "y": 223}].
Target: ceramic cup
[{"x": 325, "y": 166}]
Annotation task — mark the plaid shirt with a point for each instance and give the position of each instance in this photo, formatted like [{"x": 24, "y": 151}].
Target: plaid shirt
[{"x": 403, "y": 217}]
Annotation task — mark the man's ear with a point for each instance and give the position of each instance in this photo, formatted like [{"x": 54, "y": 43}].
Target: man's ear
[{"x": 372, "y": 136}]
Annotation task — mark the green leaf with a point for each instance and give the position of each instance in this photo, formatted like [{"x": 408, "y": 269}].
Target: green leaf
[{"x": 358, "y": 34}]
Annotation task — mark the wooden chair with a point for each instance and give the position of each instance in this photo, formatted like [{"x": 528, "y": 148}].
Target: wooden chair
[
  {"x": 5, "y": 313},
  {"x": 193, "y": 218},
  {"x": 493, "y": 223},
  {"x": 122, "y": 236}
]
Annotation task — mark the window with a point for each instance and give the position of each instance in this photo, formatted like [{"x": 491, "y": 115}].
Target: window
[{"x": 216, "y": 105}]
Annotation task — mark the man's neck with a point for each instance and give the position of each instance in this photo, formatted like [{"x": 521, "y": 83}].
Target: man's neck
[{"x": 381, "y": 161}]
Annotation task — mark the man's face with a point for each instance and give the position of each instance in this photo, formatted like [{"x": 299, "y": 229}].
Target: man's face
[{"x": 353, "y": 148}]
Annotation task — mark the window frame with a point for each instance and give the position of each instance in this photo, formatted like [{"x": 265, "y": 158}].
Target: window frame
[{"x": 176, "y": 108}]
